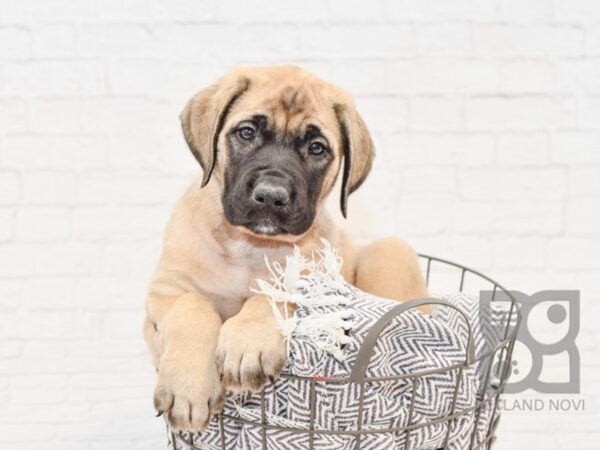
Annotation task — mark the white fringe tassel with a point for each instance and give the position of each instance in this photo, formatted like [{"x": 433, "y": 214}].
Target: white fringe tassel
[{"x": 310, "y": 283}]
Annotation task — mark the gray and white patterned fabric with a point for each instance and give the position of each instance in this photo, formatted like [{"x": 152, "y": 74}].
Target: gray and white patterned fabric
[{"x": 411, "y": 343}]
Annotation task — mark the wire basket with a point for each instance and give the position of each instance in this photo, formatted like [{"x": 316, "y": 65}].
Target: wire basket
[{"x": 447, "y": 275}]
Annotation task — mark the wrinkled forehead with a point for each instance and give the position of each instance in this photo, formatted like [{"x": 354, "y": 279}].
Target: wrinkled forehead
[{"x": 290, "y": 108}]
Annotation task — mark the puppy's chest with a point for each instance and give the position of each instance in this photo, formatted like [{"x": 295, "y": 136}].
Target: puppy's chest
[{"x": 229, "y": 279}]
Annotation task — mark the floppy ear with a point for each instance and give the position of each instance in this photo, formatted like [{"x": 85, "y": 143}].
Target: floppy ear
[
  {"x": 358, "y": 150},
  {"x": 203, "y": 117}
]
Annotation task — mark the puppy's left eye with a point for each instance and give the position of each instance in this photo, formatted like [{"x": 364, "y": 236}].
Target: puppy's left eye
[
  {"x": 246, "y": 133},
  {"x": 316, "y": 148}
]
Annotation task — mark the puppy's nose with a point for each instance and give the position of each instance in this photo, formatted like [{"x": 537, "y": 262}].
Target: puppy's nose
[{"x": 268, "y": 194}]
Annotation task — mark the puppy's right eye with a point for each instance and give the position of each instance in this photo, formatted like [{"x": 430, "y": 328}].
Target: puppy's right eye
[{"x": 246, "y": 133}]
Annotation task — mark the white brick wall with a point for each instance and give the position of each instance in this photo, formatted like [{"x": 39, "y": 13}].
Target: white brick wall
[{"x": 487, "y": 118}]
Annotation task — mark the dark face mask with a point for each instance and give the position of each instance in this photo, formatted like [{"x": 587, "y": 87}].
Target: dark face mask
[{"x": 273, "y": 181}]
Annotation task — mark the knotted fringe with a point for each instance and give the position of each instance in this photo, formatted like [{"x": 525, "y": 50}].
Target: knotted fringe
[{"x": 310, "y": 283}]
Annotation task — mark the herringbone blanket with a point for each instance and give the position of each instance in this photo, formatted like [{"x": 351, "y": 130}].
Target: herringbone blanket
[{"x": 324, "y": 337}]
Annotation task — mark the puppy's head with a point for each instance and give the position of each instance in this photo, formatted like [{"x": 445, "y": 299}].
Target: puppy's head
[{"x": 275, "y": 139}]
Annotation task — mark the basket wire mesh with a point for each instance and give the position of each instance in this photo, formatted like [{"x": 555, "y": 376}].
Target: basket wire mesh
[{"x": 499, "y": 357}]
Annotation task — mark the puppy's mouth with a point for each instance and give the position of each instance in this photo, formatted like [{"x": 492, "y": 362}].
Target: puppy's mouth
[{"x": 265, "y": 227}]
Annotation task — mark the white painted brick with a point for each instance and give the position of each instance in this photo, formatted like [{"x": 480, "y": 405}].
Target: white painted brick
[
  {"x": 584, "y": 440},
  {"x": 511, "y": 440},
  {"x": 536, "y": 40},
  {"x": 470, "y": 217},
  {"x": 10, "y": 293},
  {"x": 39, "y": 396},
  {"x": 56, "y": 40},
  {"x": 421, "y": 213},
  {"x": 110, "y": 347},
  {"x": 444, "y": 38},
  {"x": 524, "y": 148},
  {"x": 43, "y": 413},
  {"x": 127, "y": 10},
  {"x": 59, "y": 187},
  {"x": 13, "y": 115},
  {"x": 9, "y": 187},
  {"x": 267, "y": 41},
  {"x": 590, "y": 112},
  {"x": 307, "y": 11},
  {"x": 54, "y": 151},
  {"x": 122, "y": 324},
  {"x": 131, "y": 188},
  {"x": 15, "y": 42},
  {"x": 114, "y": 39},
  {"x": 32, "y": 381},
  {"x": 583, "y": 217},
  {"x": 429, "y": 179},
  {"x": 201, "y": 11},
  {"x": 7, "y": 224},
  {"x": 522, "y": 216},
  {"x": 44, "y": 349},
  {"x": 436, "y": 114},
  {"x": 404, "y": 10},
  {"x": 102, "y": 293},
  {"x": 512, "y": 184},
  {"x": 446, "y": 148},
  {"x": 185, "y": 78},
  {"x": 541, "y": 218},
  {"x": 127, "y": 223},
  {"x": 12, "y": 12},
  {"x": 572, "y": 253},
  {"x": 440, "y": 75},
  {"x": 580, "y": 76},
  {"x": 519, "y": 253},
  {"x": 387, "y": 114},
  {"x": 10, "y": 349},
  {"x": 586, "y": 282},
  {"x": 121, "y": 114},
  {"x": 136, "y": 259},
  {"x": 526, "y": 77},
  {"x": 592, "y": 40},
  {"x": 371, "y": 42},
  {"x": 136, "y": 76},
  {"x": 576, "y": 147},
  {"x": 58, "y": 9},
  {"x": 90, "y": 396},
  {"x": 51, "y": 325},
  {"x": 472, "y": 251},
  {"x": 48, "y": 294},
  {"x": 43, "y": 224},
  {"x": 55, "y": 116},
  {"x": 139, "y": 149},
  {"x": 189, "y": 42},
  {"x": 50, "y": 259},
  {"x": 54, "y": 78},
  {"x": 360, "y": 77},
  {"x": 585, "y": 181},
  {"x": 530, "y": 11},
  {"x": 522, "y": 113},
  {"x": 577, "y": 11},
  {"x": 359, "y": 11},
  {"x": 174, "y": 157},
  {"x": 14, "y": 432}
]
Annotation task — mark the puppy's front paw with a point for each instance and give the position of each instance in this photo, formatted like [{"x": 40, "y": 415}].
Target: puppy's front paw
[
  {"x": 188, "y": 392},
  {"x": 250, "y": 351}
]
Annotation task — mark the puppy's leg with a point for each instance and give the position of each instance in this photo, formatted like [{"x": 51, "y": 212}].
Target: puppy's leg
[
  {"x": 389, "y": 268},
  {"x": 251, "y": 347},
  {"x": 151, "y": 336},
  {"x": 183, "y": 343}
]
